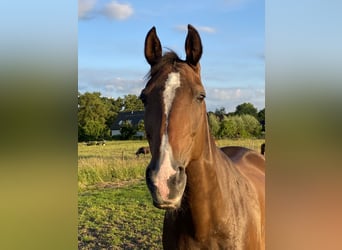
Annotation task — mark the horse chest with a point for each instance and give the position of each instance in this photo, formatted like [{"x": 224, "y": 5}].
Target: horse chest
[
  {"x": 179, "y": 233},
  {"x": 213, "y": 242}
]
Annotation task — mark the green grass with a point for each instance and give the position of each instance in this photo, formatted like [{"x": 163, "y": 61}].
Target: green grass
[
  {"x": 248, "y": 143},
  {"x": 114, "y": 162},
  {"x": 115, "y": 209},
  {"x": 119, "y": 218}
]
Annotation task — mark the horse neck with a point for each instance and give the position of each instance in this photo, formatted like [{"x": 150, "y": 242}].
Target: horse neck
[{"x": 205, "y": 189}]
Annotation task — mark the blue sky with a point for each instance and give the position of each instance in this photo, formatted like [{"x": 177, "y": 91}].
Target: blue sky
[{"x": 111, "y": 38}]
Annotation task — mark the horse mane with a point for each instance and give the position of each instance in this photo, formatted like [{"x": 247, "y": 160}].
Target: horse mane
[{"x": 168, "y": 61}]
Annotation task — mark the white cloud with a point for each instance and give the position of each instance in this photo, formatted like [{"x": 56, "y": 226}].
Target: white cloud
[
  {"x": 118, "y": 11},
  {"x": 109, "y": 82},
  {"x": 119, "y": 86},
  {"x": 205, "y": 29},
  {"x": 85, "y": 7},
  {"x": 224, "y": 94},
  {"x": 112, "y": 10},
  {"x": 229, "y": 98}
]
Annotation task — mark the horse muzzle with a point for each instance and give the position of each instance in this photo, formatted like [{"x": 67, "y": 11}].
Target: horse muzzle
[{"x": 166, "y": 191}]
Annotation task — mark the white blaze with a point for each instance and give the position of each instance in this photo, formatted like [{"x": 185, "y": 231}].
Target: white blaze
[
  {"x": 171, "y": 84},
  {"x": 165, "y": 167}
]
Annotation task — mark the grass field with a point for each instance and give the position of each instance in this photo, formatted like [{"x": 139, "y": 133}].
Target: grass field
[
  {"x": 114, "y": 207},
  {"x": 114, "y": 162}
]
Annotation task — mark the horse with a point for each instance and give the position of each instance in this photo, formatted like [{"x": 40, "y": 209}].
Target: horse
[
  {"x": 142, "y": 150},
  {"x": 237, "y": 153},
  {"x": 213, "y": 198},
  {"x": 263, "y": 148}
]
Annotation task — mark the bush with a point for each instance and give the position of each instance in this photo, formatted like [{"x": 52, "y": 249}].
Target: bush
[
  {"x": 214, "y": 124},
  {"x": 252, "y": 126},
  {"x": 234, "y": 127},
  {"x": 229, "y": 127},
  {"x": 127, "y": 130}
]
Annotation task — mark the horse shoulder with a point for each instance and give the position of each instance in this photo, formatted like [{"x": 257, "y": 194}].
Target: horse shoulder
[{"x": 251, "y": 164}]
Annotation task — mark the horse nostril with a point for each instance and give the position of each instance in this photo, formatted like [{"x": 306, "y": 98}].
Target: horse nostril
[{"x": 180, "y": 169}]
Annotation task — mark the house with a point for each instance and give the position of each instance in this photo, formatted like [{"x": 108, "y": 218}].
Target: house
[{"x": 133, "y": 117}]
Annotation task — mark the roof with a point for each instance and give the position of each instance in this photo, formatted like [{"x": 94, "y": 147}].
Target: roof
[{"x": 133, "y": 116}]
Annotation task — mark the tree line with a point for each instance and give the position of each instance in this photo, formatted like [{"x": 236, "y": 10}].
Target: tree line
[
  {"x": 245, "y": 122},
  {"x": 96, "y": 114}
]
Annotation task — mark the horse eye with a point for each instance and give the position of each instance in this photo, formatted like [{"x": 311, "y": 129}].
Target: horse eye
[{"x": 201, "y": 97}]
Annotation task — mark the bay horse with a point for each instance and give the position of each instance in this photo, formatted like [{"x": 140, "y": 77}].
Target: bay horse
[{"x": 214, "y": 199}]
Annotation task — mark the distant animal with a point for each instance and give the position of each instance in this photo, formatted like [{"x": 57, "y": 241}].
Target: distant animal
[
  {"x": 91, "y": 143},
  {"x": 143, "y": 150},
  {"x": 102, "y": 143},
  {"x": 214, "y": 198},
  {"x": 262, "y": 150}
]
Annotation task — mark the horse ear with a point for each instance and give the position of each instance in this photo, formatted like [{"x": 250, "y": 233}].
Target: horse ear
[
  {"x": 153, "y": 50},
  {"x": 193, "y": 46}
]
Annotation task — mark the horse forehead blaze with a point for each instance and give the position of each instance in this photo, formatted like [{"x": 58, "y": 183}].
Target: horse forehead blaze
[
  {"x": 166, "y": 170},
  {"x": 171, "y": 84}
]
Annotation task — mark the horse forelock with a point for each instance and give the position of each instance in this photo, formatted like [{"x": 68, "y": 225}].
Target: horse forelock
[
  {"x": 171, "y": 62},
  {"x": 168, "y": 61}
]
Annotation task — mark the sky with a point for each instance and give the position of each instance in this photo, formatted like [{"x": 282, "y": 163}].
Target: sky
[{"x": 111, "y": 37}]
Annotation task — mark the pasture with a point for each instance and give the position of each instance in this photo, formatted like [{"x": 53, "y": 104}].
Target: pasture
[{"x": 115, "y": 210}]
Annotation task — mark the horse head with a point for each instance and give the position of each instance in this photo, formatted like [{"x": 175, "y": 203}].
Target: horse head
[{"x": 175, "y": 117}]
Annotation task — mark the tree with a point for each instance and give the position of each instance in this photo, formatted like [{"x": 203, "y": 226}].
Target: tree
[
  {"x": 244, "y": 126},
  {"x": 214, "y": 124},
  {"x": 246, "y": 109},
  {"x": 141, "y": 126},
  {"x": 261, "y": 118},
  {"x": 252, "y": 127},
  {"x": 220, "y": 113},
  {"x": 114, "y": 107},
  {"x": 92, "y": 115},
  {"x": 132, "y": 103},
  {"x": 127, "y": 130},
  {"x": 228, "y": 127},
  {"x": 241, "y": 129}
]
